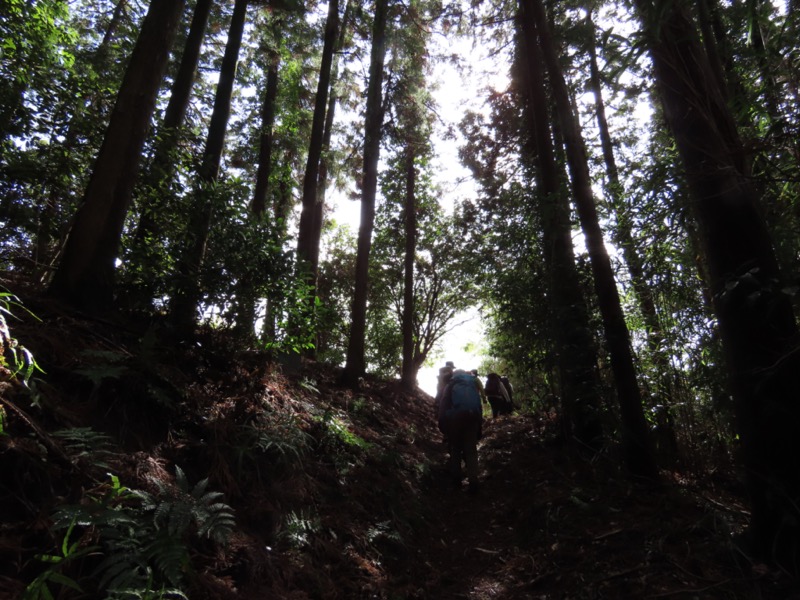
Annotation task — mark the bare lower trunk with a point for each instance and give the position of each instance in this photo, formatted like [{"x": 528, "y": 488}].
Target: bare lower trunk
[{"x": 355, "y": 366}]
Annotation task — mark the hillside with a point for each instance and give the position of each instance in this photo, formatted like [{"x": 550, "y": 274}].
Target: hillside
[{"x": 314, "y": 491}]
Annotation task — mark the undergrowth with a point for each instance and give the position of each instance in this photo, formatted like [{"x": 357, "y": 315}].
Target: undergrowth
[{"x": 129, "y": 543}]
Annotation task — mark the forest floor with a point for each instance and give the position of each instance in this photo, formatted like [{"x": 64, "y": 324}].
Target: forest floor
[{"x": 336, "y": 494}]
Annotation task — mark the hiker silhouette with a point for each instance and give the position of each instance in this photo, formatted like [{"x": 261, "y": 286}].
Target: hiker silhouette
[
  {"x": 498, "y": 395},
  {"x": 460, "y": 418}
]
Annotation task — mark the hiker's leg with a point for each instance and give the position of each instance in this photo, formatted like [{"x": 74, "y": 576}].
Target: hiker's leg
[
  {"x": 455, "y": 444},
  {"x": 494, "y": 404},
  {"x": 470, "y": 439}
]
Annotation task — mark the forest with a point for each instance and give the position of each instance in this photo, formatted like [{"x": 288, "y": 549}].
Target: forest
[{"x": 209, "y": 383}]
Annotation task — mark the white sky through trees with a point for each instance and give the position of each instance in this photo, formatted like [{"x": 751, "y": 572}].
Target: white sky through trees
[{"x": 458, "y": 85}]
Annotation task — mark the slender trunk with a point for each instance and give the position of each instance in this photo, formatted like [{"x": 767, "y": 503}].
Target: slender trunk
[
  {"x": 355, "y": 366},
  {"x": 625, "y": 240},
  {"x": 262, "y": 191},
  {"x": 85, "y": 275},
  {"x": 574, "y": 347},
  {"x": 175, "y": 113},
  {"x": 757, "y": 326},
  {"x": 639, "y": 455},
  {"x": 769, "y": 86},
  {"x": 187, "y": 295},
  {"x": 162, "y": 166},
  {"x": 113, "y": 25},
  {"x": 44, "y": 235},
  {"x": 710, "y": 45},
  {"x": 409, "y": 372},
  {"x": 322, "y": 179},
  {"x": 312, "y": 212},
  {"x": 305, "y": 252}
]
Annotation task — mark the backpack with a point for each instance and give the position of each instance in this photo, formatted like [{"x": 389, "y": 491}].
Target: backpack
[
  {"x": 465, "y": 396},
  {"x": 509, "y": 388}
]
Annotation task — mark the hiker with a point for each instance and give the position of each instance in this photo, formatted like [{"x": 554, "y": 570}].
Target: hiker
[
  {"x": 445, "y": 373},
  {"x": 461, "y": 420},
  {"x": 497, "y": 395},
  {"x": 479, "y": 384}
]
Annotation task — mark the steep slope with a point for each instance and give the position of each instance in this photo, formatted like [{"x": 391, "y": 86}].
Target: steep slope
[{"x": 203, "y": 470}]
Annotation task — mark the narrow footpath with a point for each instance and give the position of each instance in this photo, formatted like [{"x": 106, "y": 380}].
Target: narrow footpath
[{"x": 547, "y": 524}]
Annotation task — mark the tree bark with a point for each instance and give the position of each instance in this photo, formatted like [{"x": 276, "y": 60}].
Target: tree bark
[
  {"x": 86, "y": 272},
  {"x": 322, "y": 179},
  {"x": 409, "y": 370},
  {"x": 757, "y": 326},
  {"x": 113, "y": 25},
  {"x": 174, "y": 114},
  {"x": 355, "y": 366}
]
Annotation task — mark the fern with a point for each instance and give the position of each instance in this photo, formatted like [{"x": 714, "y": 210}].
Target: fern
[
  {"x": 125, "y": 568},
  {"x": 147, "y": 594},
  {"x": 176, "y": 512},
  {"x": 284, "y": 437},
  {"x": 144, "y": 538},
  {"x": 84, "y": 442},
  {"x": 309, "y": 385},
  {"x": 170, "y": 556},
  {"x": 298, "y": 528}
]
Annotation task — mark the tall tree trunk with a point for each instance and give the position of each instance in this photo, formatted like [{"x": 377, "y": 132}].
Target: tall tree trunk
[
  {"x": 710, "y": 44},
  {"x": 757, "y": 326},
  {"x": 306, "y": 254},
  {"x": 86, "y": 272},
  {"x": 163, "y": 162},
  {"x": 262, "y": 190},
  {"x": 409, "y": 371},
  {"x": 113, "y": 25},
  {"x": 311, "y": 214},
  {"x": 769, "y": 86},
  {"x": 639, "y": 455},
  {"x": 246, "y": 296},
  {"x": 355, "y": 366},
  {"x": 625, "y": 240},
  {"x": 322, "y": 179},
  {"x": 574, "y": 346},
  {"x": 187, "y": 295},
  {"x": 162, "y": 165}
]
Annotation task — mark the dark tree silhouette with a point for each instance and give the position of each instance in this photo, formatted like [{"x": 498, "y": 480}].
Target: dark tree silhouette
[
  {"x": 187, "y": 295},
  {"x": 409, "y": 369},
  {"x": 356, "y": 363},
  {"x": 756, "y": 321},
  {"x": 265, "y": 145},
  {"x": 85, "y": 275},
  {"x": 638, "y": 449},
  {"x": 575, "y": 349},
  {"x": 307, "y": 245}
]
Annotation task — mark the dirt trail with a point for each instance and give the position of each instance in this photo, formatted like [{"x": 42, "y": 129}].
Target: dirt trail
[{"x": 548, "y": 525}]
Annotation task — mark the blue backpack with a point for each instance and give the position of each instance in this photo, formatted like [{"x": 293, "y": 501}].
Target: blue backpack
[{"x": 465, "y": 395}]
